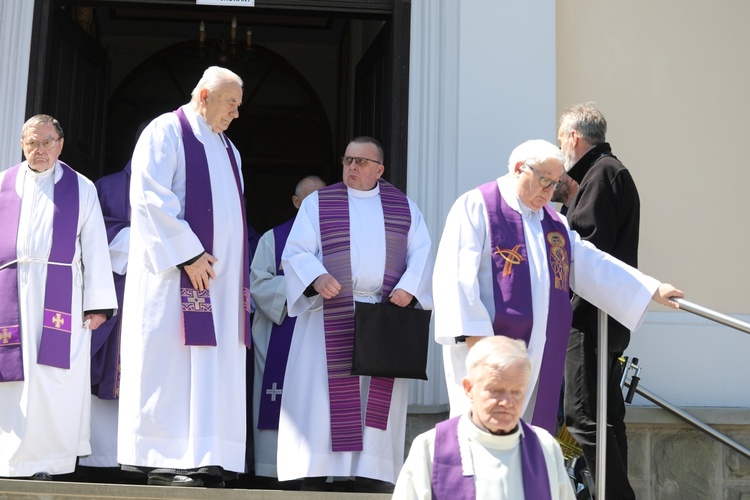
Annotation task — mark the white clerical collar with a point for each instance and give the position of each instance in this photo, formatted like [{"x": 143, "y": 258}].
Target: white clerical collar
[
  {"x": 364, "y": 194},
  {"x": 41, "y": 175},
  {"x": 508, "y": 192},
  {"x": 468, "y": 431}
]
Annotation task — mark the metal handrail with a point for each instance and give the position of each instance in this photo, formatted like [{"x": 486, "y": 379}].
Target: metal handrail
[
  {"x": 713, "y": 315},
  {"x": 601, "y": 411},
  {"x": 698, "y": 424}
]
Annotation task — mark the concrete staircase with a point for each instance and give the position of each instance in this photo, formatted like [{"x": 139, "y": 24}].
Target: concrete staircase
[{"x": 11, "y": 489}]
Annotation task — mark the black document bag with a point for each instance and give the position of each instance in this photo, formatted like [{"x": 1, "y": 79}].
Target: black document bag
[{"x": 390, "y": 341}]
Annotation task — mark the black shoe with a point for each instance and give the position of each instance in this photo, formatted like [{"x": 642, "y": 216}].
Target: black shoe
[
  {"x": 161, "y": 479},
  {"x": 41, "y": 476},
  {"x": 316, "y": 484},
  {"x": 212, "y": 481},
  {"x": 368, "y": 485}
]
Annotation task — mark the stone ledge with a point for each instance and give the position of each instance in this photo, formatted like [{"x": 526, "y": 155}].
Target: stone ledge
[
  {"x": 710, "y": 415},
  {"x": 12, "y": 489}
]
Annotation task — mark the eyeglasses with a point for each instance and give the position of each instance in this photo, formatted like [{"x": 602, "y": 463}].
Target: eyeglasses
[
  {"x": 545, "y": 182},
  {"x": 47, "y": 143},
  {"x": 361, "y": 162}
]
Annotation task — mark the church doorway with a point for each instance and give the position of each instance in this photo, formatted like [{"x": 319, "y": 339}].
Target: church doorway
[{"x": 316, "y": 73}]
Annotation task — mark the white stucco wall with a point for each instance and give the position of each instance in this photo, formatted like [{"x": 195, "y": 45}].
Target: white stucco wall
[{"x": 15, "y": 43}]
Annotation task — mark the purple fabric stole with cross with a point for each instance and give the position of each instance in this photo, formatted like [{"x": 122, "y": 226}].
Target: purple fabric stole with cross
[
  {"x": 449, "y": 482},
  {"x": 114, "y": 198},
  {"x": 272, "y": 386},
  {"x": 54, "y": 347},
  {"x": 196, "y": 304},
  {"x": 512, "y": 293},
  {"x": 338, "y": 312}
]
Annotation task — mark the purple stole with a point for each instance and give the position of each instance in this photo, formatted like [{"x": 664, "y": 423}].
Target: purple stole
[
  {"x": 278, "y": 347},
  {"x": 449, "y": 483},
  {"x": 114, "y": 198},
  {"x": 54, "y": 347},
  {"x": 197, "y": 312},
  {"x": 338, "y": 312},
  {"x": 512, "y": 293}
]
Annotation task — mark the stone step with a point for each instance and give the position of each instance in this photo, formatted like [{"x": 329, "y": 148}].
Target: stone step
[{"x": 13, "y": 489}]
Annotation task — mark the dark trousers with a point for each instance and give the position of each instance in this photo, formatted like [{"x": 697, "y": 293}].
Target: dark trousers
[{"x": 581, "y": 406}]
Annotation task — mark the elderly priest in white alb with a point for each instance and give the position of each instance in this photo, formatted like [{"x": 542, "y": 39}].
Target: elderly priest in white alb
[
  {"x": 505, "y": 266},
  {"x": 488, "y": 452},
  {"x": 186, "y": 308},
  {"x": 55, "y": 287}
]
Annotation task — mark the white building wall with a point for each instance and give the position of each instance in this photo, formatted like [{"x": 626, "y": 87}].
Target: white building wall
[
  {"x": 16, "y": 17},
  {"x": 482, "y": 80}
]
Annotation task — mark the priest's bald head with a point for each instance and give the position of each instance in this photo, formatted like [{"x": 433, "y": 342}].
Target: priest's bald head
[
  {"x": 217, "y": 97},
  {"x": 536, "y": 167},
  {"x": 306, "y": 187}
]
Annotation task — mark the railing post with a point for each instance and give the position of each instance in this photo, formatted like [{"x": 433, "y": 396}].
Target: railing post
[{"x": 601, "y": 409}]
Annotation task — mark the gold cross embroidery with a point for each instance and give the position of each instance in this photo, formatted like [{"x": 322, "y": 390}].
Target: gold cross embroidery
[
  {"x": 197, "y": 301},
  {"x": 511, "y": 257},
  {"x": 5, "y": 335},
  {"x": 58, "y": 320}
]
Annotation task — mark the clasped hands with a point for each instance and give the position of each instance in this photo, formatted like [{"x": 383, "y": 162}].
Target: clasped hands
[{"x": 328, "y": 287}]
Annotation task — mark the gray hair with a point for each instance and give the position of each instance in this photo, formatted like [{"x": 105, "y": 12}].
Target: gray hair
[
  {"x": 496, "y": 352},
  {"x": 534, "y": 152},
  {"x": 214, "y": 78},
  {"x": 587, "y": 121},
  {"x": 37, "y": 120}
]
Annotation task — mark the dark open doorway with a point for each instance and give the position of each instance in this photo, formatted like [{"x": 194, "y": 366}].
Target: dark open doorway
[{"x": 316, "y": 73}]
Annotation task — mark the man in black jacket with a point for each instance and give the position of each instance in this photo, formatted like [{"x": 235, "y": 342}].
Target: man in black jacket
[{"x": 606, "y": 212}]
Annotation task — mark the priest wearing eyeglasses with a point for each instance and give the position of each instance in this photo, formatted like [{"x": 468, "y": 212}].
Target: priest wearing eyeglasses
[
  {"x": 505, "y": 266},
  {"x": 360, "y": 240},
  {"x": 55, "y": 287}
]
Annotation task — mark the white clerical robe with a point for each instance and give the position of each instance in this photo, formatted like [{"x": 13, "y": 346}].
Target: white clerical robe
[
  {"x": 462, "y": 283},
  {"x": 494, "y": 461},
  {"x": 269, "y": 296},
  {"x": 304, "y": 428},
  {"x": 181, "y": 406},
  {"x": 44, "y": 420},
  {"x": 104, "y": 411}
]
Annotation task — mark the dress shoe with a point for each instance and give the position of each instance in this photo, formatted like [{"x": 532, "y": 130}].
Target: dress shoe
[
  {"x": 42, "y": 476},
  {"x": 159, "y": 479},
  {"x": 212, "y": 481}
]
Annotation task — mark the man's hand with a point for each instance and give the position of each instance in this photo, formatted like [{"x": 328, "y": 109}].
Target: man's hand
[
  {"x": 95, "y": 320},
  {"x": 327, "y": 286},
  {"x": 666, "y": 292},
  {"x": 401, "y": 297},
  {"x": 201, "y": 271}
]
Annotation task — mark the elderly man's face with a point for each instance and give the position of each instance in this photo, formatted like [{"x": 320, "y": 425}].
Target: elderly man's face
[
  {"x": 220, "y": 106},
  {"x": 529, "y": 183},
  {"x": 364, "y": 171},
  {"x": 42, "y": 146},
  {"x": 497, "y": 396}
]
